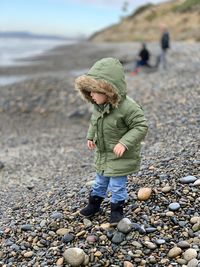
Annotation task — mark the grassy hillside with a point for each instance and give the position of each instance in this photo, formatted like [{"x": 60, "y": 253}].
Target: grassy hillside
[{"x": 182, "y": 17}]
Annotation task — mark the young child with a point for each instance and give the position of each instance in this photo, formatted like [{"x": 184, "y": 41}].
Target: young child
[{"x": 116, "y": 130}]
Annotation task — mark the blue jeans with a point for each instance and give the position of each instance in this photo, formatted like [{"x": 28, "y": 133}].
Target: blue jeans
[
  {"x": 140, "y": 63},
  {"x": 116, "y": 185}
]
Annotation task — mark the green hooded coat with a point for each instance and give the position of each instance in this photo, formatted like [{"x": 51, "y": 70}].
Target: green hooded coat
[{"x": 120, "y": 120}]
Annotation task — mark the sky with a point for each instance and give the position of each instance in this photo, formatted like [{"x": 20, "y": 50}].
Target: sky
[{"x": 69, "y": 18}]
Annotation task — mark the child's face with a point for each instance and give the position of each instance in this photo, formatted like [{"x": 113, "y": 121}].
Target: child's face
[{"x": 99, "y": 98}]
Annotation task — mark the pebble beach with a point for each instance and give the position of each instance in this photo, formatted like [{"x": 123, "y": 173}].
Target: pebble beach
[{"x": 46, "y": 170}]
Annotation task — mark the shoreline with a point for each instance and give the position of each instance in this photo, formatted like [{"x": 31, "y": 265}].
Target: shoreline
[
  {"x": 79, "y": 57},
  {"x": 55, "y": 62}
]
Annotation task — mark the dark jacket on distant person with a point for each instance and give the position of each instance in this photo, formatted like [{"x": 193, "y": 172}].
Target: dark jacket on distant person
[
  {"x": 144, "y": 55},
  {"x": 165, "y": 39}
]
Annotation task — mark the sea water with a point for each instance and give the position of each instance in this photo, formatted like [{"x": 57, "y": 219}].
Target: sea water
[{"x": 14, "y": 49}]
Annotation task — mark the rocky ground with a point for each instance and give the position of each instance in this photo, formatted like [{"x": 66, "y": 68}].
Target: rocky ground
[{"x": 46, "y": 171}]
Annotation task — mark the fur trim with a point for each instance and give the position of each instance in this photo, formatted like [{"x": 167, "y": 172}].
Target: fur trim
[{"x": 85, "y": 84}]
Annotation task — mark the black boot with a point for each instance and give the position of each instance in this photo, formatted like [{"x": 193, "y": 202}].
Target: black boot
[
  {"x": 92, "y": 207},
  {"x": 116, "y": 212}
]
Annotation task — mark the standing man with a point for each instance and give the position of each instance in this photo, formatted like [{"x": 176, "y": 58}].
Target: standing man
[{"x": 165, "y": 45}]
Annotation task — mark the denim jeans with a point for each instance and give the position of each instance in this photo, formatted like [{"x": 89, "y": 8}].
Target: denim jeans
[{"x": 116, "y": 185}]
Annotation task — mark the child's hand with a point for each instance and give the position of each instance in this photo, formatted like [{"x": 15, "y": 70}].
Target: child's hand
[
  {"x": 119, "y": 150},
  {"x": 90, "y": 144}
]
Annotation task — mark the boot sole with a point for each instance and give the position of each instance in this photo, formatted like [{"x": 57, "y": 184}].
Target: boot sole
[{"x": 89, "y": 215}]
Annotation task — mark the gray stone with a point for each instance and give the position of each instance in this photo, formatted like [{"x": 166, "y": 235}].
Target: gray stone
[
  {"x": 193, "y": 263},
  {"x": 56, "y": 215},
  {"x": 150, "y": 230},
  {"x": 124, "y": 226},
  {"x": 183, "y": 244},
  {"x": 190, "y": 254},
  {"x": 15, "y": 247},
  {"x": 160, "y": 241},
  {"x": 188, "y": 179},
  {"x": 118, "y": 238},
  {"x": 74, "y": 256},
  {"x": 174, "y": 206},
  {"x": 68, "y": 238},
  {"x": 26, "y": 227},
  {"x": 197, "y": 182}
]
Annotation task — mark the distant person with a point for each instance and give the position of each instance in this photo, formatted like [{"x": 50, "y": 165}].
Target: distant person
[
  {"x": 142, "y": 59},
  {"x": 164, "y": 45},
  {"x": 116, "y": 130}
]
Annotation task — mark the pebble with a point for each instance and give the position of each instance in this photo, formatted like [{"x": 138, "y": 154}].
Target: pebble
[
  {"x": 174, "y": 252},
  {"x": 150, "y": 245},
  {"x": 56, "y": 215},
  {"x": 190, "y": 254},
  {"x": 193, "y": 263},
  {"x": 124, "y": 226},
  {"x": 87, "y": 223},
  {"x": 196, "y": 227},
  {"x": 197, "y": 182},
  {"x": 28, "y": 254},
  {"x": 1, "y": 255},
  {"x": 136, "y": 244},
  {"x": 195, "y": 219},
  {"x": 181, "y": 261},
  {"x": 74, "y": 256},
  {"x": 169, "y": 213},
  {"x": 68, "y": 238},
  {"x": 174, "y": 206},
  {"x": 128, "y": 264},
  {"x": 91, "y": 239},
  {"x": 118, "y": 238},
  {"x": 150, "y": 230},
  {"x": 188, "y": 179},
  {"x": 98, "y": 254},
  {"x": 43, "y": 223},
  {"x": 105, "y": 226},
  {"x": 166, "y": 189},
  {"x": 60, "y": 261},
  {"x": 144, "y": 193},
  {"x": 160, "y": 241},
  {"x": 26, "y": 227},
  {"x": 62, "y": 231},
  {"x": 183, "y": 244}
]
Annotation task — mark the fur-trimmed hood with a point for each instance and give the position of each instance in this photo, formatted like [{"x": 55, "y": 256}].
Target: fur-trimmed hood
[{"x": 106, "y": 76}]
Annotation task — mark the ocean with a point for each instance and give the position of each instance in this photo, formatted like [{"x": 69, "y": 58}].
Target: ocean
[{"x": 14, "y": 49}]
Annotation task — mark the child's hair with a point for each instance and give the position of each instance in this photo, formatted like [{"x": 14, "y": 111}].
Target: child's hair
[{"x": 86, "y": 85}]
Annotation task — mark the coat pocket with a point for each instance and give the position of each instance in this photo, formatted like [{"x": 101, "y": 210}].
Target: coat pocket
[{"x": 120, "y": 124}]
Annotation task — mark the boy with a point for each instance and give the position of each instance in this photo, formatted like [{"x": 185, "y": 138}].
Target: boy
[{"x": 116, "y": 130}]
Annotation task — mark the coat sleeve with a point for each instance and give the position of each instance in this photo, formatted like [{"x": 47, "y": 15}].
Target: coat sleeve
[
  {"x": 91, "y": 132},
  {"x": 137, "y": 124},
  {"x": 91, "y": 129}
]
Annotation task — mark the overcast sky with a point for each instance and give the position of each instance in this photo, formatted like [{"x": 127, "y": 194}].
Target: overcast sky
[{"x": 64, "y": 17}]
